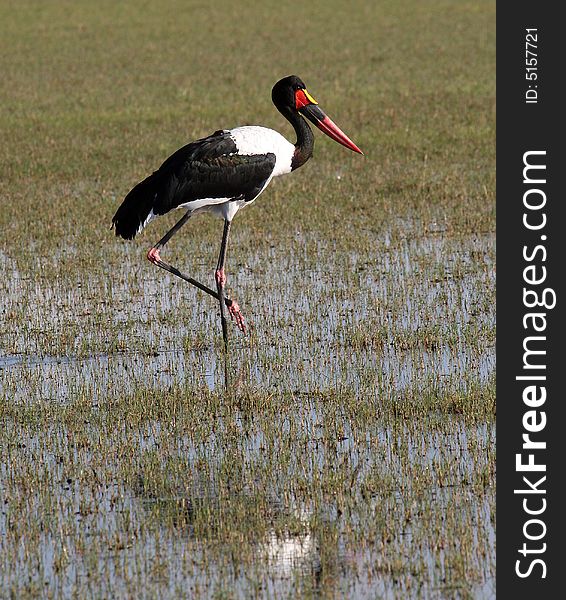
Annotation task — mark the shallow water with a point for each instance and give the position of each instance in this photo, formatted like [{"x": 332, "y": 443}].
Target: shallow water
[
  {"x": 313, "y": 328},
  {"x": 99, "y": 515},
  {"x": 413, "y": 321}
]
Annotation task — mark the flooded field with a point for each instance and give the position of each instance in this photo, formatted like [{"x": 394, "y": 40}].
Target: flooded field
[
  {"x": 352, "y": 453},
  {"x": 345, "y": 321}
]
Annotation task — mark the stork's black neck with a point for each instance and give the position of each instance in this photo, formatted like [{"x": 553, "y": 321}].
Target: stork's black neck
[{"x": 305, "y": 139}]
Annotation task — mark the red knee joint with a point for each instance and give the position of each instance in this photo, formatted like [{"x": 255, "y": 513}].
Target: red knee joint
[{"x": 220, "y": 277}]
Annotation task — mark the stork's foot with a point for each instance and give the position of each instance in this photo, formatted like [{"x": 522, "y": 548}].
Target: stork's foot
[
  {"x": 236, "y": 315},
  {"x": 153, "y": 256}
]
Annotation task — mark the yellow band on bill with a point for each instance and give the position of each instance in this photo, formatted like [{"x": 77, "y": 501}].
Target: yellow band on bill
[{"x": 309, "y": 97}]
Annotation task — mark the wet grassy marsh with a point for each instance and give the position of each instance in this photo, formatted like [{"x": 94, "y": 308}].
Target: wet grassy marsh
[{"x": 354, "y": 454}]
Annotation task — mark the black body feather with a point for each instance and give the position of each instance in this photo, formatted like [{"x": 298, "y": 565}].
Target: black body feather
[{"x": 207, "y": 168}]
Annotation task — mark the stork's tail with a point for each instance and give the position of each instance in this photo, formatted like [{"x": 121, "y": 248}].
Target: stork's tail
[{"x": 136, "y": 211}]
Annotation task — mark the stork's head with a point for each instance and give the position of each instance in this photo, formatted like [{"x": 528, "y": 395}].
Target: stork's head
[{"x": 291, "y": 93}]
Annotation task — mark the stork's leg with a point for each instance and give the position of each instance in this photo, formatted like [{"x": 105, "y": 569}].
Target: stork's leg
[
  {"x": 220, "y": 277},
  {"x": 154, "y": 257}
]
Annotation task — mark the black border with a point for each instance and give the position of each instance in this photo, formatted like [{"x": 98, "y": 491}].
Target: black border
[{"x": 522, "y": 127}]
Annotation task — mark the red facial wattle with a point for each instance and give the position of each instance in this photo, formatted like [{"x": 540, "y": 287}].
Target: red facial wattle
[{"x": 303, "y": 98}]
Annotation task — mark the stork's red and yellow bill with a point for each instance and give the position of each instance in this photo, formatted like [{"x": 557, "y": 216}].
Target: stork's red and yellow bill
[{"x": 309, "y": 108}]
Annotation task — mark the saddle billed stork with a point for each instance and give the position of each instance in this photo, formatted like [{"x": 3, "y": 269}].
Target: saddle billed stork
[{"x": 223, "y": 173}]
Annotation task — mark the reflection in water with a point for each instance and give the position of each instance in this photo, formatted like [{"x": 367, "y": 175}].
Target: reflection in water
[{"x": 286, "y": 552}]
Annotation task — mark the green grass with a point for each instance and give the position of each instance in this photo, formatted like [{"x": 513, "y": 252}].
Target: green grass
[{"x": 353, "y": 455}]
